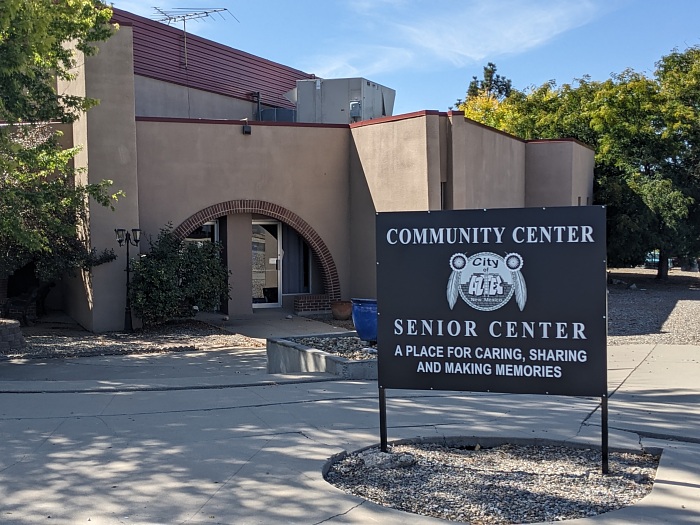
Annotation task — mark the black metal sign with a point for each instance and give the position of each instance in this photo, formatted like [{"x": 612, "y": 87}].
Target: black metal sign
[{"x": 503, "y": 300}]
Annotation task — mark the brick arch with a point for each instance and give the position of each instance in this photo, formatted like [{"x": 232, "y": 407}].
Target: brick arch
[{"x": 331, "y": 282}]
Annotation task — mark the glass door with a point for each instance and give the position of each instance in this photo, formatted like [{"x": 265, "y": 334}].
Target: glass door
[{"x": 267, "y": 264}]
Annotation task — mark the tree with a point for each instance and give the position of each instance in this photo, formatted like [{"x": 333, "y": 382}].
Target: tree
[
  {"x": 42, "y": 207},
  {"x": 678, "y": 74},
  {"x": 491, "y": 87},
  {"x": 646, "y": 135},
  {"x": 34, "y": 38},
  {"x": 177, "y": 279}
]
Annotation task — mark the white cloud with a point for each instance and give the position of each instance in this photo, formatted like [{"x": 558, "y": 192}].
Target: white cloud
[
  {"x": 421, "y": 35},
  {"x": 487, "y": 29},
  {"x": 361, "y": 61}
]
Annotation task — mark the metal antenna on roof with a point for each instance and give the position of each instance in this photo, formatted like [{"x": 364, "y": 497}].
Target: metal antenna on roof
[{"x": 183, "y": 14}]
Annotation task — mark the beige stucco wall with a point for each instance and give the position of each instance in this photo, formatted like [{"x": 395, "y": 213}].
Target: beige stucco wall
[
  {"x": 487, "y": 167},
  {"x": 186, "y": 167},
  {"x": 155, "y": 98},
  {"x": 582, "y": 167},
  {"x": 395, "y": 166},
  {"x": 70, "y": 293},
  {"x": 111, "y": 135},
  {"x": 559, "y": 173},
  {"x": 393, "y": 158},
  {"x": 238, "y": 233}
]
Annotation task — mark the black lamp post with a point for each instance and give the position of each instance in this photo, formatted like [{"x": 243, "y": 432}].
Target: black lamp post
[{"x": 133, "y": 238}]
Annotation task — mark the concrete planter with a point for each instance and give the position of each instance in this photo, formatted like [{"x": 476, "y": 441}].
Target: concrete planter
[
  {"x": 287, "y": 357},
  {"x": 11, "y": 338}
]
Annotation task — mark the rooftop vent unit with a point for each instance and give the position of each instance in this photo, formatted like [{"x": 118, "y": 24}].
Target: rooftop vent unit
[{"x": 342, "y": 100}]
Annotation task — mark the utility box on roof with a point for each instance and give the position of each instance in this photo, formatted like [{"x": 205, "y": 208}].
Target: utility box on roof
[{"x": 342, "y": 100}]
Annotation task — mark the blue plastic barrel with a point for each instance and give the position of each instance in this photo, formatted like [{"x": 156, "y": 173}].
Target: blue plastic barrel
[{"x": 364, "y": 317}]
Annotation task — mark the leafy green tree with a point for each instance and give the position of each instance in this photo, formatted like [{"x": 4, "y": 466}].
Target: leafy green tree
[
  {"x": 491, "y": 87},
  {"x": 34, "y": 50},
  {"x": 646, "y": 135},
  {"x": 484, "y": 109},
  {"x": 678, "y": 74},
  {"x": 42, "y": 207},
  {"x": 176, "y": 279}
]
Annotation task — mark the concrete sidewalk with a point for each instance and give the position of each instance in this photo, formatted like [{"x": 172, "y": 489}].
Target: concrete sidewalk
[
  {"x": 211, "y": 438},
  {"x": 267, "y": 323}
]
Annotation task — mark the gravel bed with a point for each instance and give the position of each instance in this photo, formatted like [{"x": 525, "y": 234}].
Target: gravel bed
[
  {"x": 507, "y": 484},
  {"x": 642, "y": 310},
  {"x": 57, "y": 340},
  {"x": 349, "y": 347}
]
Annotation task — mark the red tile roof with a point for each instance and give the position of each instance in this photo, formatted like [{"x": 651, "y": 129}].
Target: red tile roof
[{"x": 214, "y": 67}]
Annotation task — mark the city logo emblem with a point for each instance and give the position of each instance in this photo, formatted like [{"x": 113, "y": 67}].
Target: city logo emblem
[{"x": 486, "y": 281}]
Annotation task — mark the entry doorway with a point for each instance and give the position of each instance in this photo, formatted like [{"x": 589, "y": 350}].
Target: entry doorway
[{"x": 267, "y": 263}]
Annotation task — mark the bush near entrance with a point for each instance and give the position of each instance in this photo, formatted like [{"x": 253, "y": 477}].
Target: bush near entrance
[{"x": 176, "y": 279}]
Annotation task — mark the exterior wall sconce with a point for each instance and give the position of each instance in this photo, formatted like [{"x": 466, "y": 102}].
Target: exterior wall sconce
[
  {"x": 124, "y": 237},
  {"x": 246, "y": 129}
]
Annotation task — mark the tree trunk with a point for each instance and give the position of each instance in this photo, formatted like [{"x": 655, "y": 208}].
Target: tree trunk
[{"x": 662, "y": 273}]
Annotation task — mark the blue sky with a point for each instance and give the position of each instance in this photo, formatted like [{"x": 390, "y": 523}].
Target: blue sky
[{"x": 429, "y": 50}]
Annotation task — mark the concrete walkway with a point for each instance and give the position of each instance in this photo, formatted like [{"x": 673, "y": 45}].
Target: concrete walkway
[{"x": 199, "y": 438}]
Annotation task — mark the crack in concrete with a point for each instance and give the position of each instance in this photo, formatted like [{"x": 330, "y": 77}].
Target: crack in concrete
[
  {"x": 224, "y": 484},
  {"x": 652, "y": 435},
  {"x": 36, "y": 449},
  {"x": 632, "y": 372},
  {"x": 340, "y": 514},
  {"x": 128, "y": 389},
  {"x": 660, "y": 436},
  {"x": 611, "y": 394},
  {"x": 191, "y": 410}
]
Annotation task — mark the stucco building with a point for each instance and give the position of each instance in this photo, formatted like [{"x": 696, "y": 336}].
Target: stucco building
[{"x": 180, "y": 130}]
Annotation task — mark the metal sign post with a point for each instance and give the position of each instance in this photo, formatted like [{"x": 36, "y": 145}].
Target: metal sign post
[
  {"x": 382, "y": 420},
  {"x": 604, "y": 433}
]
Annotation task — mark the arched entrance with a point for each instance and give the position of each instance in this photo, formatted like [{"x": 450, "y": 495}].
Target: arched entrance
[{"x": 329, "y": 273}]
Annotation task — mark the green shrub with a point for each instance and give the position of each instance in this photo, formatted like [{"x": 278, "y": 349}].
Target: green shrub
[{"x": 177, "y": 279}]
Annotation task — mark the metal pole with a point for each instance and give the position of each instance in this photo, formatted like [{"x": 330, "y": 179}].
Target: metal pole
[
  {"x": 382, "y": 419},
  {"x": 128, "y": 327},
  {"x": 604, "y": 432},
  {"x": 184, "y": 35}
]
